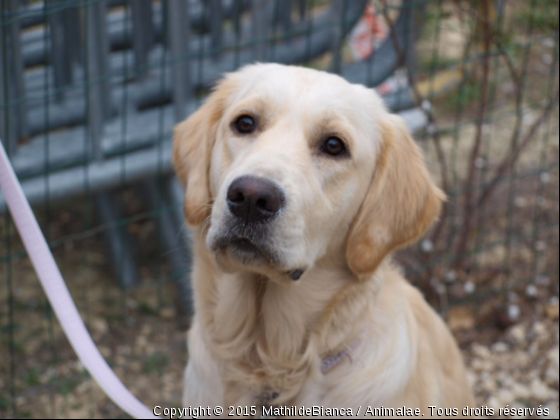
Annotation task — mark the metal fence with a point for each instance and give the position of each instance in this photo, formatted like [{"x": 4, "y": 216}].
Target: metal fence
[{"x": 90, "y": 91}]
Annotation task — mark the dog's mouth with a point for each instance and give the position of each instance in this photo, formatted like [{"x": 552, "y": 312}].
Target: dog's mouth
[
  {"x": 242, "y": 247},
  {"x": 244, "y": 250},
  {"x": 250, "y": 253}
]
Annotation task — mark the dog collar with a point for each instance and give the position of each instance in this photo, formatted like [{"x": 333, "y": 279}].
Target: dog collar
[
  {"x": 328, "y": 363},
  {"x": 331, "y": 361}
]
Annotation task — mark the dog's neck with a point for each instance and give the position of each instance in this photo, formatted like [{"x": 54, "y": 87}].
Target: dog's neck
[{"x": 272, "y": 335}]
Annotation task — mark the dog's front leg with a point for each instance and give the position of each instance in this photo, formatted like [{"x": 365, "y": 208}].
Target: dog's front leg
[{"x": 202, "y": 384}]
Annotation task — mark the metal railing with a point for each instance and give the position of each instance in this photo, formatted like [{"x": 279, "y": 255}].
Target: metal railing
[{"x": 91, "y": 90}]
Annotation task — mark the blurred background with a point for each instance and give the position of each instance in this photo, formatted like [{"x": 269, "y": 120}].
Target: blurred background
[{"x": 90, "y": 91}]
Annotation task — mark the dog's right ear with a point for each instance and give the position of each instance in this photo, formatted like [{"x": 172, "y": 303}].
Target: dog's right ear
[{"x": 193, "y": 143}]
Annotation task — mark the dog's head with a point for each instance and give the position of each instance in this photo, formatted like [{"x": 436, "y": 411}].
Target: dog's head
[{"x": 286, "y": 166}]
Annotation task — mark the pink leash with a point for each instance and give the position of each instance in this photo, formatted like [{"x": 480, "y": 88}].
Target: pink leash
[{"x": 59, "y": 296}]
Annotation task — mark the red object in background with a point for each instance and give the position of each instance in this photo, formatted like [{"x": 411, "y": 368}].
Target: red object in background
[{"x": 368, "y": 33}]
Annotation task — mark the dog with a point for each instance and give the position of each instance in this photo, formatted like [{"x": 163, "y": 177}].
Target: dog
[{"x": 299, "y": 186}]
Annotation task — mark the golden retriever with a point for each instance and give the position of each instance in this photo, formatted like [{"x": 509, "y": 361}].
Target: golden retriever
[{"x": 299, "y": 185}]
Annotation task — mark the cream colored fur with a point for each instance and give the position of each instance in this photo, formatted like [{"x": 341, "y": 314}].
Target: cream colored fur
[{"x": 256, "y": 331}]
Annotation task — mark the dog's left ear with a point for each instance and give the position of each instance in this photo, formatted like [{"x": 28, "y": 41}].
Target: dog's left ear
[
  {"x": 193, "y": 143},
  {"x": 401, "y": 205}
]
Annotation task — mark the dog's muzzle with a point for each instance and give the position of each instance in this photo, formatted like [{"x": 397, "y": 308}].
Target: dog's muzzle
[
  {"x": 253, "y": 203},
  {"x": 248, "y": 231}
]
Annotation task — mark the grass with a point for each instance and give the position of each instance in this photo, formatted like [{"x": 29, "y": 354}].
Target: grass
[
  {"x": 31, "y": 377},
  {"x": 155, "y": 363},
  {"x": 67, "y": 384},
  {"x": 19, "y": 347},
  {"x": 4, "y": 402},
  {"x": 146, "y": 309}
]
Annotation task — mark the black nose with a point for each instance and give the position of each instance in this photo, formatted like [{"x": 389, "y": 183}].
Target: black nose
[{"x": 254, "y": 199}]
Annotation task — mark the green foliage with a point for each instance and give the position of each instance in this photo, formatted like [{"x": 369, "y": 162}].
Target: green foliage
[
  {"x": 542, "y": 15},
  {"x": 66, "y": 385},
  {"x": 31, "y": 377},
  {"x": 146, "y": 309},
  {"x": 4, "y": 402},
  {"x": 155, "y": 363},
  {"x": 468, "y": 93},
  {"x": 433, "y": 62}
]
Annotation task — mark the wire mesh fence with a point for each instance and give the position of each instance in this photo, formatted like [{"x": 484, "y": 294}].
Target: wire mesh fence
[{"x": 90, "y": 91}]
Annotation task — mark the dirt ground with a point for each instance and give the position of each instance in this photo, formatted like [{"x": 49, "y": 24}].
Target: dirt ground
[{"x": 142, "y": 336}]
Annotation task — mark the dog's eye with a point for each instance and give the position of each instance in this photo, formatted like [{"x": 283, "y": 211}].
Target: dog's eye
[
  {"x": 333, "y": 146},
  {"x": 245, "y": 124}
]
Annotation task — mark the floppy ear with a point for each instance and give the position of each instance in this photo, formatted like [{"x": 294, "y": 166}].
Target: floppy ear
[
  {"x": 401, "y": 204},
  {"x": 193, "y": 142}
]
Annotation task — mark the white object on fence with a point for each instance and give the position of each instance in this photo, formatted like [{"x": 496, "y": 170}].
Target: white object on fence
[{"x": 59, "y": 296}]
